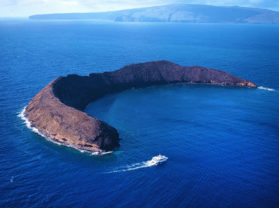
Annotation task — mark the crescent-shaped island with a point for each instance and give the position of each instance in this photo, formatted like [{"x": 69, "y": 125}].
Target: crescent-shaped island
[{"x": 56, "y": 112}]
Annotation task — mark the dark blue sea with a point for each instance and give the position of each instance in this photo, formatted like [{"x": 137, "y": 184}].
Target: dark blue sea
[{"x": 222, "y": 143}]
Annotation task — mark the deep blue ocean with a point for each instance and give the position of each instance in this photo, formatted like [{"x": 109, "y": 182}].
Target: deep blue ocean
[{"x": 222, "y": 143}]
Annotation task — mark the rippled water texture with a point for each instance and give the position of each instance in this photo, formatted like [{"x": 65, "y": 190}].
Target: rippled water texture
[{"x": 222, "y": 144}]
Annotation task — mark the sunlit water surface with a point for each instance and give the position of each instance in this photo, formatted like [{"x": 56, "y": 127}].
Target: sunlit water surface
[{"x": 222, "y": 144}]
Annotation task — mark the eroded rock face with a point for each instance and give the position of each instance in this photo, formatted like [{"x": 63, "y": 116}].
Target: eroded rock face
[{"x": 56, "y": 111}]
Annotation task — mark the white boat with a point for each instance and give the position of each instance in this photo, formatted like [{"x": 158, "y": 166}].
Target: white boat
[{"x": 157, "y": 160}]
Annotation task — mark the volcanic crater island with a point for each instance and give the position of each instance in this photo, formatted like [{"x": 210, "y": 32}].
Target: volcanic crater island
[{"x": 56, "y": 112}]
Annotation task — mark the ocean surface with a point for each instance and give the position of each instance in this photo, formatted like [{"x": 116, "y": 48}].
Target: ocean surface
[{"x": 222, "y": 143}]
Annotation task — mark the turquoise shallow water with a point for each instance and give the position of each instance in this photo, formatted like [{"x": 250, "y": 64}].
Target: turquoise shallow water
[{"x": 222, "y": 143}]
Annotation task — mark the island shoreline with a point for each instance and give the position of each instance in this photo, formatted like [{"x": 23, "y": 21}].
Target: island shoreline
[
  {"x": 29, "y": 125},
  {"x": 56, "y": 112}
]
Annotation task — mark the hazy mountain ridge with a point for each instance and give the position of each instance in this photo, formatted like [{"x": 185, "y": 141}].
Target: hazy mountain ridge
[{"x": 190, "y": 13}]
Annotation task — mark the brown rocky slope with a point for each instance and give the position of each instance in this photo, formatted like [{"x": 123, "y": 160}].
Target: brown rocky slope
[{"x": 56, "y": 111}]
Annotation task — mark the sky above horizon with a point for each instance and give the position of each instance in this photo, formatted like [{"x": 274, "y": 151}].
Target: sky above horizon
[{"x": 25, "y": 8}]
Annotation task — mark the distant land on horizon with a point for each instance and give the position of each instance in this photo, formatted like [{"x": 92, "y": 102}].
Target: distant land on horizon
[{"x": 188, "y": 13}]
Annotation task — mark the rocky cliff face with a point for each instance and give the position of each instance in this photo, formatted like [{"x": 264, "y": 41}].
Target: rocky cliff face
[{"x": 56, "y": 111}]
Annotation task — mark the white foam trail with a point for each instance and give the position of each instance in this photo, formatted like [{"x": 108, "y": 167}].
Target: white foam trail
[
  {"x": 102, "y": 153},
  {"x": 266, "y": 88},
  {"x": 153, "y": 162},
  {"x": 28, "y": 123},
  {"x": 22, "y": 115}
]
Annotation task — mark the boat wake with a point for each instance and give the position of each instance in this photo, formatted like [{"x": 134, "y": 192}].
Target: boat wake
[
  {"x": 156, "y": 160},
  {"x": 22, "y": 115},
  {"x": 266, "y": 88}
]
